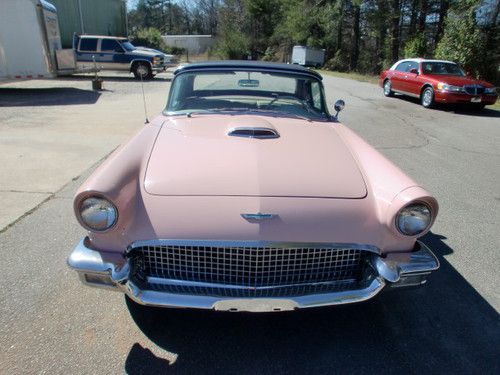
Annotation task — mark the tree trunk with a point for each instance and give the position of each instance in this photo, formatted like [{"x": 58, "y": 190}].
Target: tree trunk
[
  {"x": 395, "y": 30},
  {"x": 443, "y": 10},
  {"x": 355, "y": 41},
  {"x": 382, "y": 34},
  {"x": 424, "y": 9},
  {"x": 341, "y": 24},
  {"x": 413, "y": 19}
]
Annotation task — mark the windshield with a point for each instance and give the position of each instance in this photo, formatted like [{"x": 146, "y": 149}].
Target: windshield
[
  {"x": 127, "y": 45},
  {"x": 228, "y": 91},
  {"x": 442, "y": 68}
]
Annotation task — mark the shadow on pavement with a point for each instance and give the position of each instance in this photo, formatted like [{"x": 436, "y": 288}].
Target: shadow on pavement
[
  {"x": 19, "y": 97},
  {"x": 456, "y": 108},
  {"x": 444, "y": 327},
  {"x": 114, "y": 78},
  {"x": 142, "y": 361}
]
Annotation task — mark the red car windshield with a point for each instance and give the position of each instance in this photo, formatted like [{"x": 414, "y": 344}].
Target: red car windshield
[{"x": 442, "y": 68}]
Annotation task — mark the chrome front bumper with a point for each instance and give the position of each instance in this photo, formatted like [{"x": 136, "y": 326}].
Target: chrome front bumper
[{"x": 395, "y": 270}]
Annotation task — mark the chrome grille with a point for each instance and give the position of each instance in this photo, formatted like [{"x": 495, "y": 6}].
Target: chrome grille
[
  {"x": 248, "y": 267},
  {"x": 294, "y": 290},
  {"x": 474, "y": 89}
]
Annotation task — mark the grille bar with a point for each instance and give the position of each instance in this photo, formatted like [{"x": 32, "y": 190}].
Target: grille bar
[
  {"x": 474, "y": 89},
  {"x": 249, "y": 267}
]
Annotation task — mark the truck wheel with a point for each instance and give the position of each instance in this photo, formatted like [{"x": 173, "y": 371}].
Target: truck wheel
[
  {"x": 388, "y": 88},
  {"x": 142, "y": 70},
  {"x": 427, "y": 97}
]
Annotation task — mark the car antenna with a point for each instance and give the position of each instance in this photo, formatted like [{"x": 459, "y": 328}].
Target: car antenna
[{"x": 144, "y": 101}]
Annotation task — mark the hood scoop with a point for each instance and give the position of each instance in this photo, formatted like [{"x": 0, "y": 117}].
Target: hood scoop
[{"x": 252, "y": 132}]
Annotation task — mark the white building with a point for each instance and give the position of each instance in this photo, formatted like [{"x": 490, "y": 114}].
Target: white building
[{"x": 193, "y": 44}]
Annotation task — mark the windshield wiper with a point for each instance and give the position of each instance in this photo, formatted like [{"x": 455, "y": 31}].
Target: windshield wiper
[
  {"x": 246, "y": 110},
  {"x": 216, "y": 110}
]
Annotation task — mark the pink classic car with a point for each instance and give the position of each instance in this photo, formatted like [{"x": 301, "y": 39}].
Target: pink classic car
[{"x": 247, "y": 195}]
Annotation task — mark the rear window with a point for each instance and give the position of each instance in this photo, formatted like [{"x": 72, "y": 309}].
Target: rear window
[{"x": 88, "y": 44}]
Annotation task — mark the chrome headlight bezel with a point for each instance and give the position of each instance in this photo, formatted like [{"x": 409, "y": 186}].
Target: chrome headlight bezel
[
  {"x": 450, "y": 88},
  {"x": 415, "y": 206},
  {"x": 106, "y": 205}
]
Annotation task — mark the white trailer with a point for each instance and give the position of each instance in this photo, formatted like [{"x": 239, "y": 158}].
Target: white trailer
[
  {"x": 307, "y": 56},
  {"x": 30, "y": 42}
]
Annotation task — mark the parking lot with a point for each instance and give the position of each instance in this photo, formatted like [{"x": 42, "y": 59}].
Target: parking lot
[{"x": 53, "y": 133}]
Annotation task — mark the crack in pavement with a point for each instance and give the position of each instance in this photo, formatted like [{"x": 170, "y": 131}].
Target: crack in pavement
[
  {"x": 26, "y": 191},
  {"x": 52, "y": 195}
]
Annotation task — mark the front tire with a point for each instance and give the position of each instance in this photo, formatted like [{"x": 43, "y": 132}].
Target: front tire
[
  {"x": 388, "y": 88},
  {"x": 142, "y": 70},
  {"x": 427, "y": 97}
]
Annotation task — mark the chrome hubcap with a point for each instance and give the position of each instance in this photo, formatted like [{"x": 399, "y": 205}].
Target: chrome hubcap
[
  {"x": 142, "y": 70},
  {"x": 427, "y": 97},
  {"x": 387, "y": 88}
]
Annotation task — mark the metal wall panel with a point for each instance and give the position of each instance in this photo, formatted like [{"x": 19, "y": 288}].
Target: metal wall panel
[{"x": 103, "y": 17}]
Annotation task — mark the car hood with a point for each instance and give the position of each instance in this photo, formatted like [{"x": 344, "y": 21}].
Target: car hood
[
  {"x": 144, "y": 53},
  {"x": 195, "y": 156},
  {"x": 460, "y": 81}
]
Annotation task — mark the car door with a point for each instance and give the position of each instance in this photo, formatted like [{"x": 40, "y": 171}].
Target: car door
[
  {"x": 411, "y": 81},
  {"x": 112, "y": 55},
  {"x": 87, "y": 50},
  {"x": 398, "y": 76}
]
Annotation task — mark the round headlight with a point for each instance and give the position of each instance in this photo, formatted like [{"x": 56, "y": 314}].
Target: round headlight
[
  {"x": 413, "y": 219},
  {"x": 98, "y": 214}
]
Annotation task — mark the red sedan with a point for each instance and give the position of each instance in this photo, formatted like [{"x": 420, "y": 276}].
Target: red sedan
[{"x": 436, "y": 81}]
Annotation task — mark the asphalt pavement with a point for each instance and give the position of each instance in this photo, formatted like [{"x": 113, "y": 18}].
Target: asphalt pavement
[{"x": 50, "y": 323}]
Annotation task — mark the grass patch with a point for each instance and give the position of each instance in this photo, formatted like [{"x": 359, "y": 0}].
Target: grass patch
[
  {"x": 355, "y": 76},
  {"x": 495, "y": 106}
]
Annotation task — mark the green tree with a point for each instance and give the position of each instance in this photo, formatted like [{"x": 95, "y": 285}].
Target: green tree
[{"x": 462, "y": 39}]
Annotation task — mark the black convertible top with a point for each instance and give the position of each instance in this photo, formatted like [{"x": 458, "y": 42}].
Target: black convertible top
[{"x": 247, "y": 65}]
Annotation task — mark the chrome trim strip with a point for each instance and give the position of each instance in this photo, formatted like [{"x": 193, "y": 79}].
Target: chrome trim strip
[
  {"x": 162, "y": 299},
  {"x": 258, "y": 216},
  {"x": 406, "y": 93},
  {"x": 174, "y": 282},
  {"x": 233, "y": 243}
]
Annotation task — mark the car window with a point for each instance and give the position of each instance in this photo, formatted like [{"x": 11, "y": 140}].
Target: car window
[
  {"x": 412, "y": 65},
  {"x": 234, "y": 80},
  {"x": 442, "y": 68},
  {"x": 316, "y": 96},
  {"x": 109, "y": 45},
  {"x": 402, "y": 67},
  {"x": 285, "y": 93},
  {"x": 88, "y": 44}
]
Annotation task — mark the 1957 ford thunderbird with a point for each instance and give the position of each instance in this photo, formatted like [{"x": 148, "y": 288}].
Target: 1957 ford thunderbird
[{"x": 245, "y": 194}]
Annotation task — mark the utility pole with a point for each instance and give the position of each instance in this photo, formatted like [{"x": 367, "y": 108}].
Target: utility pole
[{"x": 170, "y": 26}]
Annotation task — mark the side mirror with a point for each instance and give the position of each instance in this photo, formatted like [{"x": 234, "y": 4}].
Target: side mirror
[
  {"x": 339, "y": 106},
  {"x": 414, "y": 71}
]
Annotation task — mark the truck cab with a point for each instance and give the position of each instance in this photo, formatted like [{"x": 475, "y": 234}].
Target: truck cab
[{"x": 117, "y": 53}]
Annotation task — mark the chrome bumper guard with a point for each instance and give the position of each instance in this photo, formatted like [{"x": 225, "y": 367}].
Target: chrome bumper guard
[{"x": 408, "y": 269}]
